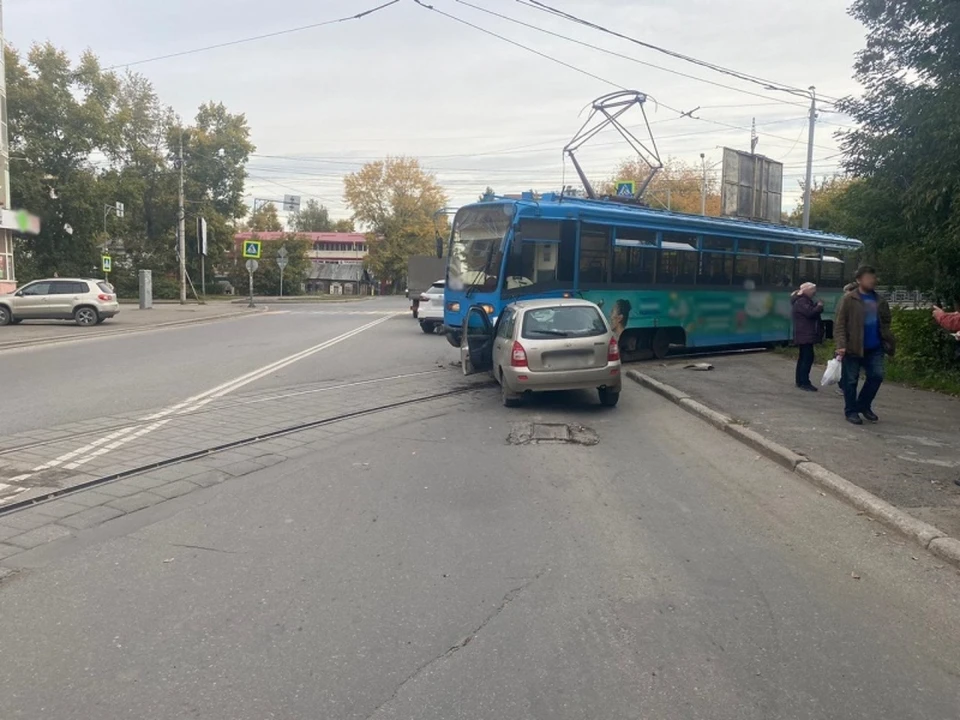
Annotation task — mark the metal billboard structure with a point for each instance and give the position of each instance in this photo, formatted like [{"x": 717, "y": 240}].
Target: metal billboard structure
[{"x": 751, "y": 186}]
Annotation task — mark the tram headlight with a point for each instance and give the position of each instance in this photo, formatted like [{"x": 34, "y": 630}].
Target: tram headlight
[
  {"x": 453, "y": 306},
  {"x": 488, "y": 309}
]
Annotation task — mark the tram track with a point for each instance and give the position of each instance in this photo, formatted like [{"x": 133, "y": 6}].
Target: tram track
[
  {"x": 13, "y": 507},
  {"x": 135, "y": 424}
]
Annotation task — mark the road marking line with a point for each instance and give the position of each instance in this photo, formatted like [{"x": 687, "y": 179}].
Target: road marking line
[{"x": 116, "y": 439}]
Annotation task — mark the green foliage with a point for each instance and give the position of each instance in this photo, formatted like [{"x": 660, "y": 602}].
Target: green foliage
[
  {"x": 265, "y": 219},
  {"x": 313, "y": 217},
  {"x": 904, "y": 146},
  {"x": 396, "y": 200},
  {"x": 344, "y": 226},
  {"x": 266, "y": 281},
  {"x": 61, "y": 116}
]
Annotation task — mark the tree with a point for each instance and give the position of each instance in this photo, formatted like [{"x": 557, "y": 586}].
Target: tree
[
  {"x": 676, "y": 186},
  {"x": 395, "y": 200},
  {"x": 907, "y": 129},
  {"x": 61, "y": 115},
  {"x": 313, "y": 217},
  {"x": 344, "y": 226},
  {"x": 265, "y": 219}
]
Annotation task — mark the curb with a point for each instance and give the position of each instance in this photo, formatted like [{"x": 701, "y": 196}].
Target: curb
[
  {"x": 38, "y": 342},
  {"x": 929, "y": 537}
]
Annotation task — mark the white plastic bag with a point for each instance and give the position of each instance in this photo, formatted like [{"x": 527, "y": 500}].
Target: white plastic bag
[{"x": 831, "y": 376}]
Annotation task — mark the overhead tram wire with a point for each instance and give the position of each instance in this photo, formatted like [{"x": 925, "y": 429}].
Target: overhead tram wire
[
  {"x": 254, "y": 38},
  {"x": 592, "y": 75},
  {"x": 770, "y": 84},
  {"x": 622, "y": 56}
]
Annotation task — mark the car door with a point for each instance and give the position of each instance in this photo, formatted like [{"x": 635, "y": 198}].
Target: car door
[
  {"x": 63, "y": 295},
  {"x": 476, "y": 342},
  {"x": 503, "y": 337},
  {"x": 31, "y": 301}
]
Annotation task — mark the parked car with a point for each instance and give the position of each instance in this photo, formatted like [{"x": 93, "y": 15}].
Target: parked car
[
  {"x": 540, "y": 345},
  {"x": 86, "y": 302},
  {"x": 430, "y": 310}
]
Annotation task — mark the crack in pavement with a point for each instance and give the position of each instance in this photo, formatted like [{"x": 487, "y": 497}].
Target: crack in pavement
[
  {"x": 507, "y": 599},
  {"x": 204, "y": 547}
]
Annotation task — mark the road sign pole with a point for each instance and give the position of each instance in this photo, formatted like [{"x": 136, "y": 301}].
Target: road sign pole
[
  {"x": 281, "y": 282},
  {"x": 250, "y": 304}
]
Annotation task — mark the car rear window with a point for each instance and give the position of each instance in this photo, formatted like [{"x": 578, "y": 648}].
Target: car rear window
[
  {"x": 570, "y": 321},
  {"x": 105, "y": 288},
  {"x": 437, "y": 287}
]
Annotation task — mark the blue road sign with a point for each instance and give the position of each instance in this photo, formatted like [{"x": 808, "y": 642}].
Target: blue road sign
[
  {"x": 251, "y": 249},
  {"x": 626, "y": 188}
]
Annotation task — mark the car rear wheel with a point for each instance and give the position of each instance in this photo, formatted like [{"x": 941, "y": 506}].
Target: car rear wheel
[
  {"x": 5, "y": 317},
  {"x": 428, "y": 327},
  {"x": 86, "y": 316},
  {"x": 608, "y": 397},
  {"x": 508, "y": 398}
]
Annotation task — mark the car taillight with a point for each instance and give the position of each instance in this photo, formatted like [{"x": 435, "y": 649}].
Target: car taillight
[
  {"x": 104, "y": 298},
  {"x": 613, "y": 350},
  {"x": 518, "y": 357}
]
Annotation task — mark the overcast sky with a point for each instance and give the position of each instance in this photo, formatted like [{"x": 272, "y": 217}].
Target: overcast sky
[{"x": 477, "y": 110}]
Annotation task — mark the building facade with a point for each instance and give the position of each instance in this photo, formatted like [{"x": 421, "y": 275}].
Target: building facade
[{"x": 324, "y": 247}]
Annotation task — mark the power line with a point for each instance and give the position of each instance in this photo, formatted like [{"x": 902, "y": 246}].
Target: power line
[
  {"x": 590, "y": 74},
  {"x": 621, "y": 55},
  {"x": 769, "y": 84},
  {"x": 519, "y": 45},
  {"x": 253, "y": 38}
]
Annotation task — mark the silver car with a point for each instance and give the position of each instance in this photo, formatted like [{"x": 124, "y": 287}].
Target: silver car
[
  {"x": 85, "y": 301},
  {"x": 541, "y": 345},
  {"x": 431, "y": 307}
]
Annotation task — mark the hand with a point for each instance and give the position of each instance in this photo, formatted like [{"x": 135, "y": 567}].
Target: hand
[{"x": 820, "y": 304}]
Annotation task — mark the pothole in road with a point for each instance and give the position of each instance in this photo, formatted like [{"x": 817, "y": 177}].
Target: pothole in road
[{"x": 551, "y": 433}]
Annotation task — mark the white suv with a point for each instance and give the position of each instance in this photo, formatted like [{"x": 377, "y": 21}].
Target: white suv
[
  {"x": 431, "y": 307},
  {"x": 85, "y": 301}
]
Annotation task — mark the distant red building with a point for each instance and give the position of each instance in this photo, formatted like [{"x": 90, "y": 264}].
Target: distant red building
[{"x": 324, "y": 247}]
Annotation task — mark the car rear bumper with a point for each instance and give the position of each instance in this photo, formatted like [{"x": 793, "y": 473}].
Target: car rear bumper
[
  {"x": 431, "y": 314},
  {"x": 108, "y": 311},
  {"x": 522, "y": 380}
]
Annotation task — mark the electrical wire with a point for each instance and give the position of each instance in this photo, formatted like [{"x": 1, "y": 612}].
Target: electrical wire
[
  {"x": 622, "y": 55},
  {"x": 254, "y": 38},
  {"x": 769, "y": 84}
]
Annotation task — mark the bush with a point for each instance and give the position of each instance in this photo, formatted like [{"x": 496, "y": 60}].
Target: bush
[{"x": 922, "y": 346}]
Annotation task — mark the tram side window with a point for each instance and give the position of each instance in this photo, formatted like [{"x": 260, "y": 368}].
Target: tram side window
[
  {"x": 749, "y": 269},
  {"x": 808, "y": 271},
  {"x": 676, "y": 267},
  {"x": 831, "y": 272},
  {"x": 634, "y": 255},
  {"x": 544, "y": 255},
  {"x": 779, "y": 272},
  {"x": 715, "y": 269},
  {"x": 594, "y": 254}
]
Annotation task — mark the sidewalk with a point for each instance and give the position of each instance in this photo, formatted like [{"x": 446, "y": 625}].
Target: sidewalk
[
  {"x": 910, "y": 458},
  {"x": 130, "y": 319}
]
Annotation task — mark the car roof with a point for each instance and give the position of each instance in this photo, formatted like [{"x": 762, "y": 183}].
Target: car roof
[
  {"x": 439, "y": 282},
  {"x": 67, "y": 279},
  {"x": 552, "y": 303}
]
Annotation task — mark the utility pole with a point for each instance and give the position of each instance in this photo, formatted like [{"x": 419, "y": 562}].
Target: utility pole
[
  {"x": 703, "y": 185},
  {"x": 809, "y": 181},
  {"x": 754, "y": 138},
  {"x": 182, "y": 234}
]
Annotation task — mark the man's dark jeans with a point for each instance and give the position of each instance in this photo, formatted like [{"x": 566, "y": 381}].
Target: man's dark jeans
[
  {"x": 804, "y": 365},
  {"x": 872, "y": 363}
]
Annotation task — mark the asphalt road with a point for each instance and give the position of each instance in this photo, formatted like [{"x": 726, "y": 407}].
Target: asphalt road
[{"x": 418, "y": 565}]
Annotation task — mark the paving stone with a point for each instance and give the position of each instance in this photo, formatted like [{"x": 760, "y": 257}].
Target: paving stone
[
  {"x": 91, "y": 498},
  {"x": 175, "y": 489},
  {"x": 209, "y": 478},
  {"x": 132, "y": 503},
  {"x": 39, "y": 536},
  {"x": 241, "y": 468},
  {"x": 59, "y": 508},
  {"x": 8, "y": 550},
  {"x": 147, "y": 481},
  {"x": 118, "y": 489},
  {"x": 7, "y": 531},
  {"x": 91, "y": 517},
  {"x": 25, "y": 520}
]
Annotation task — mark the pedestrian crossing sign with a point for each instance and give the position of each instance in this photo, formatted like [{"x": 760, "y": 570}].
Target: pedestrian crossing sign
[
  {"x": 626, "y": 188},
  {"x": 251, "y": 249},
  {"x": 107, "y": 263}
]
